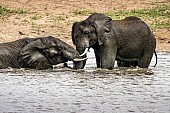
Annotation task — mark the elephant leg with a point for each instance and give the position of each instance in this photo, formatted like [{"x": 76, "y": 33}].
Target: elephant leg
[
  {"x": 134, "y": 63},
  {"x": 127, "y": 63},
  {"x": 107, "y": 56},
  {"x": 124, "y": 64},
  {"x": 120, "y": 63},
  {"x": 97, "y": 58},
  {"x": 146, "y": 58}
]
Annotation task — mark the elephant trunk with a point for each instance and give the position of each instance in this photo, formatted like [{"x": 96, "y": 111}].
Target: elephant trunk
[
  {"x": 82, "y": 54},
  {"x": 73, "y": 55},
  {"x": 78, "y": 63},
  {"x": 82, "y": 46}
]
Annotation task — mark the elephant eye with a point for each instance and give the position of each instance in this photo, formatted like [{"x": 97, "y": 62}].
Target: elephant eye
[
  {"x": 86, "y": 32},
  {"x": 59, "y": 48},
  {"x": 106, "y": 30}
]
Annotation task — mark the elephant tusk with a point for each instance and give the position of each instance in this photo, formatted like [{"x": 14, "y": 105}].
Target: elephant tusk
[
  {"x": 79, "y": 59},
  {"x": 85, "y": 52}
]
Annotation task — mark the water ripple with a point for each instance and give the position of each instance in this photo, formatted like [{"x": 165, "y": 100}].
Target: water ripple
[{"x": 92, "y": 90}]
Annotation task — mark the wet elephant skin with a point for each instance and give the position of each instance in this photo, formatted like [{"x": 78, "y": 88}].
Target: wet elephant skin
[
  {"x": 36, "y": 53},
  {"x": 129, "y": 41}
]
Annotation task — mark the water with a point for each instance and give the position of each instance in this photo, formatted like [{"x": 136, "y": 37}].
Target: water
[{"x": 92, "y": 90}]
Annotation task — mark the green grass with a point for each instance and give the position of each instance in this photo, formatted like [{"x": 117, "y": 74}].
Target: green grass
[
  {"x": 82, "y": 12},
  {"x": 35, "y": 26},
  {"x": 45, "y": 6},
  {"x": 162, "y": 10},
  {"x": 159, "y": 15},
  {"x": 36, "y": 17},
  {"x": 158, "y": 24},
  {"x": 57, "y": 19},
  {"x": 5, "y": 11}
]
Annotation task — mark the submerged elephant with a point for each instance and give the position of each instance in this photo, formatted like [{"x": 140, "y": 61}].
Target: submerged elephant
[
  {"x": 129, "y": 41},
  {"x": 36, "y": 53}
]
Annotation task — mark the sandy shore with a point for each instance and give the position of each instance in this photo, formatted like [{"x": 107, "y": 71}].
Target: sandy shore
[{"x": 51, "y": 17}]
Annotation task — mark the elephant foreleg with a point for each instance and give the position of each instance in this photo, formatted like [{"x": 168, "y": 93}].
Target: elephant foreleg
[
  {"x": 107, "y": 57},
  {"x": 97, "y": 58}
]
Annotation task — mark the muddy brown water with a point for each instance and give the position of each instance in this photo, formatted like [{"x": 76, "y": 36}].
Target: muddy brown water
[{"x": 91, "y": 90}]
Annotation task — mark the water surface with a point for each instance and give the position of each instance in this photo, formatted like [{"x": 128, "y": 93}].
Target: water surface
[{"x": 91, "y": 90}]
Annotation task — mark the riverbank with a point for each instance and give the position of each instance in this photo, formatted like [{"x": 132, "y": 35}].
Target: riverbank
[{"x": 28, "y": 18}]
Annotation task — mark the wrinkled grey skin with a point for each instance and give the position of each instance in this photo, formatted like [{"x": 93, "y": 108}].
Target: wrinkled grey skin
[
  {"x": 129, "y": 41},
  {"x": 45, "y": 52},
  {"x": 127, "y": 63},
  {"x": 38, "y": 53},
  {"x": 9, "y": 52}
]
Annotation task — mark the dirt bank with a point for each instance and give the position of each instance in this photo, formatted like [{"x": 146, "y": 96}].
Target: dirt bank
[{"x": 55, "y": 17}]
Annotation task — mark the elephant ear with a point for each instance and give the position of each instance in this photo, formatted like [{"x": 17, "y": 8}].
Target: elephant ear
[
  {"x": 31, "y": 56},
  {"x": 102, "y": 24},
  {"x": 73, "y": 32}
]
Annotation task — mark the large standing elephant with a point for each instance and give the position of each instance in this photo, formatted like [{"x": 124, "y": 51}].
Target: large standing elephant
[
  {"x": 129, "y": 41},
  {"x": 36, "y": 53}
]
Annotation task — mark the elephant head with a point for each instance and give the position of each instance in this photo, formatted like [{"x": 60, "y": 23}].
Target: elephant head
[
  {"x": 96, "y": 32},
  {"x": 42, "y": 53},
  {"x": 91, "y": 31}
]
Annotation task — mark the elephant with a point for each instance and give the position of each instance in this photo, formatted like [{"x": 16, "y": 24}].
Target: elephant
[
  {"x": 36, "y": 53},
  {"x": 9, "y": 52},
  {"x": 127, "y": 63},
  {"x": 128, "y": 41}
]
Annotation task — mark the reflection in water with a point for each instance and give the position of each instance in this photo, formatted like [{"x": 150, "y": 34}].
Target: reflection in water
[{"x": 92, "y": 90}]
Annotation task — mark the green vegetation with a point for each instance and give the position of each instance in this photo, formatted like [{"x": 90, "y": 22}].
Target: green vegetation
[
  {"x": 159, "y": 16},
  {"x": 45, "y": 6},
  {"x": 4, "y": 11},
  {"x": 57, "y": 19},
  {"x": 35, "y": 26},
  {"x": 36, "y": 17},
  {"x": 162, "y": 10},
  {"x": 156, "y": 17},
  {"x": 82, "y": 12}
]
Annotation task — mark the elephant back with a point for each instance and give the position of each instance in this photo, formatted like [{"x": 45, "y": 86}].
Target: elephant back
[{"x": 9, "y": 52}]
